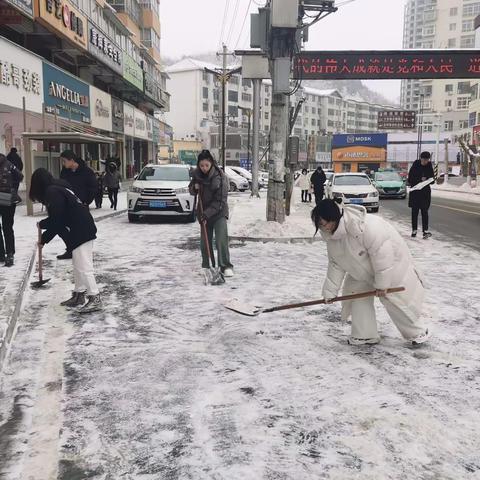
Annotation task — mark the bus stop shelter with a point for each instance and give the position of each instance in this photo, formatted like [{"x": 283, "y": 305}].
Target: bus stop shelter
[{"x": 64, "y": 137}]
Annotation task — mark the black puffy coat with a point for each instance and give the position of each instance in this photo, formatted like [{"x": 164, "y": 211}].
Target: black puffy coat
[
  {"x": 418, "y": 173},
  {"x": 14, "y": 158},
  {"x": 213, "y": 192},
  {"x": 65, "y": 210},
  {"x": 318, "y": 180},
  {"x": 83, "y": 181}
]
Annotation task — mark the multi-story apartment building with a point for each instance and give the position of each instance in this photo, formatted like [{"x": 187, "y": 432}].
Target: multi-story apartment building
[
  {"x": 105, "y": 53},
  {"x": 195, "y": 111},
  {"x": 440, "y": 24}
]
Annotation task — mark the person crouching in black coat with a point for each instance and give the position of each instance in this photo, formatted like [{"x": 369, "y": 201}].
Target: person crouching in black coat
[
  {"x": 419, "y": 200},
  {"x": 66, "y": 212}
]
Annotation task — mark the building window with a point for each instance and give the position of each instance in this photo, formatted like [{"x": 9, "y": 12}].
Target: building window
[
  {"x": 472, "y": 9},
  {"x": 266, "y": 116},
  {"x": 462, "y": 103},
  {"x": 246, "y": 97},
  {"x": 314, "y": 110},
  {"x": 232, "y": 96},
  {"x": 448, "y": 88},
  {"x": 331, "y": 101},
  {"x": 266, "y": 102},
  {"x": 452, "y": 42},
  {"x": 463, "y": 88},
  {"x": 233, "y": 110},
  {"x": 206, "y": 77},
  {"x": 205, "y": 92},
  {"x": 313, "y": 122},
  {"x": 463, "y": 124},
  {"x": 453, "y": 27},
  {"x": 233, "y": 80},
  {"x": 467, "y": 42},
  {"x": 246, "y": 82},
  {"x": 346, "y": 167},
  {"x": 205, "y": 107},
  {"x": 448, "y": 126},
  {"x": 454, "y": 12},
  {"x": 306, "y": 109},
  {"x": 428, "y": 30},
  {"x": 467, "y": 25},
  {"x": 448, "y": 103},
  {"x": 331, "y": 112}
]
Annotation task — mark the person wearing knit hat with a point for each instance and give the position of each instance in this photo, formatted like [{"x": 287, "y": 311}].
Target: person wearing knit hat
[{"x": 365, "y": 253}]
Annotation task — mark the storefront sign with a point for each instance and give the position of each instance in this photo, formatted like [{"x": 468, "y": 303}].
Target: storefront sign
[
  {"x": 64, "y": 18},
  {"x": 20, "y": 76},
  {"x": 397, "y": 120},
  {"x": 132, "y": 71},
  {"x": 117, "y": 116},
  {"x": 65, "y": 94},
  {"x": 25, "y": 6},
  {"x": 101, "y": 47},
  {"x": 100, "y": 109},
  {"x": 140, "y": 124},
  {"x": 149, "y": 127},
  {"x": 359, "y": 148},
  {"x": 151, "y": 87},
  {"x": 128, "y": 119},
  {"x": 388, "y": 64}
]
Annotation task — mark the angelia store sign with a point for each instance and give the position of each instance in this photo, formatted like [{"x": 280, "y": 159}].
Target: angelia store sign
[
  {"x": 393, "y": 64},
  {"x": 65, "y": 95}
]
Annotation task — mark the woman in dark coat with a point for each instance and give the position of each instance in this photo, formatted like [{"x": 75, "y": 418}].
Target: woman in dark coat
[
  {"x": 66, "y": 211},
  {"x": 211, "y": 184},
  {"x": 419, "y": 200},
  {"x": 112, "y": 181}
]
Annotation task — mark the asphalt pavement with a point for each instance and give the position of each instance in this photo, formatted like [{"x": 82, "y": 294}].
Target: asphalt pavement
[{"x": 458, "y": 220}]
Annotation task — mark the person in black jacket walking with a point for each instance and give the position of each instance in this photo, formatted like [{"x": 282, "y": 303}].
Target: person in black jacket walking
[
  {"x": 66, "y": 211},
  {"x": 14, "y": 158},
  {"x": 318, "y": 180},
  {"x": 211, "y": 184},
  {"x": 10, "y": 178},
  {"x": 419, "y": 200},
  {"x": 83, "y": 183},
  {"x": 112, "y": 182}
]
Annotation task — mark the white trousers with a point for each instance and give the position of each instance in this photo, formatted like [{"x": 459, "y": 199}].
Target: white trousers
[
  {"x": 83, "y": 275},
  {"x": 404, "y": 308}
]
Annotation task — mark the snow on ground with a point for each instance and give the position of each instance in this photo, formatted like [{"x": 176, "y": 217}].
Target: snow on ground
[
  {"x": 167, "y": 384},
  {"x": 453, "y": 192}
]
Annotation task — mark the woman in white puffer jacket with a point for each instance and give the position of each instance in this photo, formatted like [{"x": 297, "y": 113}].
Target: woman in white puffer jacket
[{"x": 365, "y": 252}]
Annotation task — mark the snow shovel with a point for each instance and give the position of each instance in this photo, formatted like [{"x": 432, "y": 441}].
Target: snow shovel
[
  {"x": 41, "y": 281},
  {"x": 252, "y": 310},
  {"x": 213, "y": 276}
]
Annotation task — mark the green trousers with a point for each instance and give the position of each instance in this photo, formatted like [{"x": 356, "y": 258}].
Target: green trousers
[{"x": 221, "y": 240}]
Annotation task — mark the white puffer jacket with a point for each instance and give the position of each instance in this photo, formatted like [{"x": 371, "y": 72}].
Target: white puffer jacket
[
  {"x": 368, "y": 249},
  {"x": 303, "y": 181}
]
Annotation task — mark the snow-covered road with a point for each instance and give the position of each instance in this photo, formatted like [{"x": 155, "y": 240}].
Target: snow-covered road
[{"x": 166, "y": 384}]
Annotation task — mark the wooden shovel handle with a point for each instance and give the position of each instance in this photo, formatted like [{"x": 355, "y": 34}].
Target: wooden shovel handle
[
  {"x": 372, "y": 293},
  {"x": 40, "y": 260}
]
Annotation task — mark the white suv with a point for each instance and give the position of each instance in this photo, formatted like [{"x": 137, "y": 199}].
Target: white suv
[
  {"x": 356, "y": 188},
  {"x": 236, "y": 182},
  {"x": 161, "y": 190}
]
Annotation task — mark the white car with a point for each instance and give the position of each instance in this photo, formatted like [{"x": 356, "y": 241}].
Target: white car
[
  {"x": 262, "y": 182},
  {"x": 236, "y": 181},
  {"x": 354, "y": 188},
  {"x": 161, "y": 190}
]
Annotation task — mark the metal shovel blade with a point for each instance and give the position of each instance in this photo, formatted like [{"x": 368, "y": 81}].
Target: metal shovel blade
[
  {"x": 39, "y": 283},
  {"x": 243, "y": 308}
]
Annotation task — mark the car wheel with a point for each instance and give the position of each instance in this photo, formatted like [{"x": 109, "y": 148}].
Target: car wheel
[
  {"x": 375, "y": 210},
  {"x": 132, "y": 218},
  {"x": 233, "y": 187}
]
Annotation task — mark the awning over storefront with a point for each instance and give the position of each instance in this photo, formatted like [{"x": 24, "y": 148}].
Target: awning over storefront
[{"x": 64, "y": 137}]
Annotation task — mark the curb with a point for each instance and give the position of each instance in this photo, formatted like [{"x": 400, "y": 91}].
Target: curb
[
  {"x": 12, "y": 321},
  {"x": 276, "y": 239},
  {"x": 455, "y": 191}
]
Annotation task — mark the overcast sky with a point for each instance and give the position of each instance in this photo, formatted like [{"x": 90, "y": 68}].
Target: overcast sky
[{"x": 197, "y": 26}]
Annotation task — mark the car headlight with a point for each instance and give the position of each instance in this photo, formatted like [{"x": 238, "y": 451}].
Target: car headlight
[
  {"x": 380, "y": 190},
  {"x": 182, "y": 190},
  {"x": 403, "y": 188},
  {"x": 136, "y": 190},
  {"x": 337, "y": 195},
  {"x": 373, "y": 194}
]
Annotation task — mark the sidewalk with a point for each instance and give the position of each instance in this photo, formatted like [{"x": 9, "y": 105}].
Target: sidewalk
[{"x": 14, "y": 280}]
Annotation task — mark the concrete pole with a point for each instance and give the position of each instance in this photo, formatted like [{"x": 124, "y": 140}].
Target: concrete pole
[
  {"x": 278, "y": 149},
  {"x": 27, "y": 160},
  {"x": 257, "y": 84},
  {"x": 445, "y": 181},
  {"x": 437, "y": 146},
  {"x": 224, "y": 102}
]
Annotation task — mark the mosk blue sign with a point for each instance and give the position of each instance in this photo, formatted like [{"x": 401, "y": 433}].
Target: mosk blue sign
[
  {"x": 65, "y": 95},
  {"x": 357, "y": 139}
]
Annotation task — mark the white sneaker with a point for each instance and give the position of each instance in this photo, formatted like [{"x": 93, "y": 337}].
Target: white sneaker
[
  {"x": 422, "y": 338},
  {"x": 363, "y": 341},
  {"x": 228, "y": 272}
]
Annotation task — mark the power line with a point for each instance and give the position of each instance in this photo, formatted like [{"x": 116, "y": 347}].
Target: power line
[
  {"x": 225, "y": 11},
  {"x": 235, "y": 11},
  {"x": 243, "y": 23}
]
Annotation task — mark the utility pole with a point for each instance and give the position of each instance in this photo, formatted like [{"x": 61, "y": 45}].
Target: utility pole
[
  {"x": 257, "y": 83},
  {"x": 445, "y": 178},
  {"x": 223, "y": 76}
]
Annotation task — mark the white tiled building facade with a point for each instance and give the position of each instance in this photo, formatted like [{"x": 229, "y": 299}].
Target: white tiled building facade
[
  {"x": 440, "y": 24},
  {"x": 195, "y": 111}
]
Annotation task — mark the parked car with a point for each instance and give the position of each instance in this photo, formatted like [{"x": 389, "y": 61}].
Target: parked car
[
  {"x": 329, "y": 176},
  {"x": 243, "y": 172},
  {"x": 263, "y": 179},
  {"x": 390, "y": 184},
  {"x": 161, "y": 190},
  {"x": 355, "y": 188},
  {"x": 236, "y": 181}
]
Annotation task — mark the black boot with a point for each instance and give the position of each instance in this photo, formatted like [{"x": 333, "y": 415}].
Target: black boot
[
  {"x": 77, "y": 298},
  {"x": 9, "y": 260}
]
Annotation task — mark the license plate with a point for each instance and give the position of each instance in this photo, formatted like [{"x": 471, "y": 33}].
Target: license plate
[
  {"x": 356, "y": 200},
  {"x": 157, "y": 204}
]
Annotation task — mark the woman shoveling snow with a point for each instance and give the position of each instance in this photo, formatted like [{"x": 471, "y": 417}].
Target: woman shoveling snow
[{"x": 365, "y": 252}]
